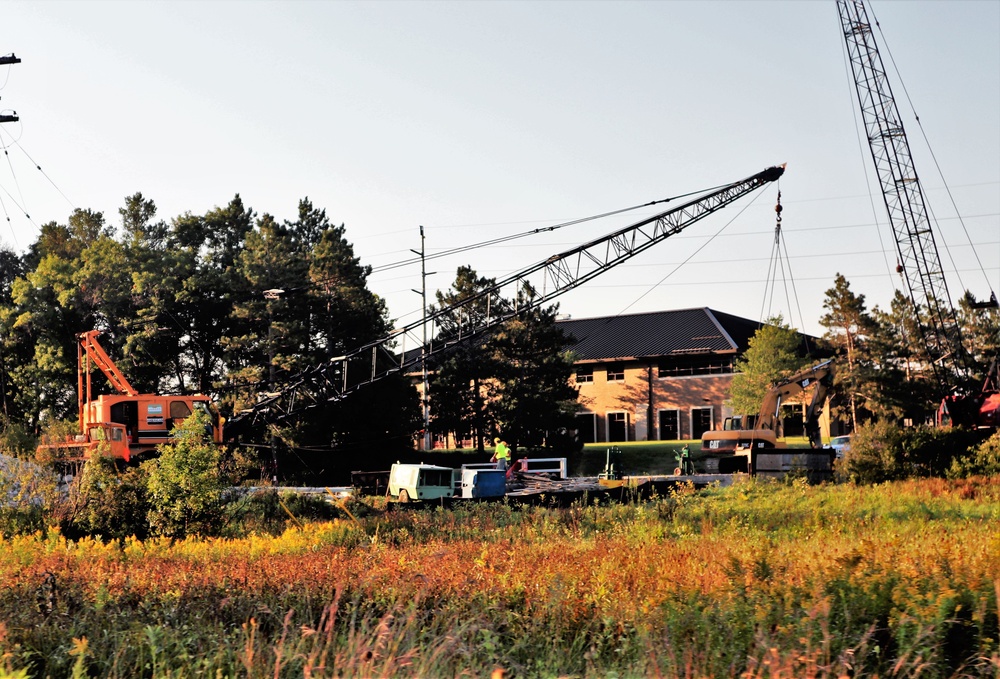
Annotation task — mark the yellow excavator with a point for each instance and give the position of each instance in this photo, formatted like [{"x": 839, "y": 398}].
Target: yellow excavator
[{"x": 758, "y": 449}]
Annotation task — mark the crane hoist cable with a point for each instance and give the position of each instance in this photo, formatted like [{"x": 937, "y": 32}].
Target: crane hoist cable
[
  {"x": 687, "y": 259},
  {"x": 937, "y": 166},
  {"x": 780, "y": 260},
  {"x": 523, "y": 234}
]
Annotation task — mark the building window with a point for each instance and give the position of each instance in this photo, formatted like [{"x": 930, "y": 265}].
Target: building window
[
  {"x": 586, "y": 427},
  {"x": 670, "y": 425},
  {"x": 616, "y": 372},
  {"x": 701, "y": 421},
  {"x": 617, "y": 427},
  {"x": 683, "y": 366},
  {"x": 584, "y": 373}
]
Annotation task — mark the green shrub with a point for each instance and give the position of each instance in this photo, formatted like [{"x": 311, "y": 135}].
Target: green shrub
[
  {"x": 873, "y": 455},
  {"x": 185, "y": 482},
  {"x": 29, "y": 494},
  {"x": 883, "y": 451},
  {"x": 15, "y": 439},
  {"x": 929, "y": 451},
  {"x": 112, "y": 504},
  {"x": 984, "y": 460}
]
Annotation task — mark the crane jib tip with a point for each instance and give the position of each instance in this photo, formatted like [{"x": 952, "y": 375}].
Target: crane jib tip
[{"x": 772, "y": 173}]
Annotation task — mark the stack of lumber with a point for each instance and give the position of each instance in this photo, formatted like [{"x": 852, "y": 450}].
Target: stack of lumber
[{"x": 527, "y": 483}]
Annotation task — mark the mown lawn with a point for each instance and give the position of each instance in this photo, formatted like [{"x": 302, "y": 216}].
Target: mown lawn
[{"x": 755, "y": 580}]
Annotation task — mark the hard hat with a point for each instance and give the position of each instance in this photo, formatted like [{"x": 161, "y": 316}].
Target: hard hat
[{"x": 496, "y": 440}]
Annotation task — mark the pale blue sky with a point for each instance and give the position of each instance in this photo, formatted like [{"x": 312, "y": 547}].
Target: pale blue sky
[{"x": 480, "y": 119}]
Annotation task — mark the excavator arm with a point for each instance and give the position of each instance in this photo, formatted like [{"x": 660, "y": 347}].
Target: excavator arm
[
  {"x": 758, "y": 450},
  {"x": 822, "y": 376}
]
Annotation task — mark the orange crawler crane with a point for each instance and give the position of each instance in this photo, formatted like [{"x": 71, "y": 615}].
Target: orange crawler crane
[{"x": 126, "y": 423}]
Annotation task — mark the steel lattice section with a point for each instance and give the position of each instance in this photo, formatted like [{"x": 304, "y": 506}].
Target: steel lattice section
[
  {"x": 919, "y": 260},
  {"x": 334, "y": 380}
]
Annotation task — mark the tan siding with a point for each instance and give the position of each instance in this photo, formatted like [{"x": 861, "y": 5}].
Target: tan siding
[{"x": 632, "y": 396}]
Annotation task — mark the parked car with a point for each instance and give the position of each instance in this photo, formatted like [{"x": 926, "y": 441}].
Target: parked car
[{"x": 841, "y": 444}]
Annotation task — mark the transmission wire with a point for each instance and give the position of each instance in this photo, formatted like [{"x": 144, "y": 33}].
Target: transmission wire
[
  {"x": 937, "y": 166},
  {"x": 44, "y": 174},
  {"x": 12, "y": 173}
]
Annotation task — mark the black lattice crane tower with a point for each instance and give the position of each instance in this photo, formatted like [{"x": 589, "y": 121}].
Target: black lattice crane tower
[{"x": 917, "y": 252}]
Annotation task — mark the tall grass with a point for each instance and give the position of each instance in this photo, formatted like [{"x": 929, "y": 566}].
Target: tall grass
[{"x": 756, "y": 580}]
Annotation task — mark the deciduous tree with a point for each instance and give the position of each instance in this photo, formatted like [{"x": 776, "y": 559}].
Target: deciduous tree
[{"x": 774, "y": 352}]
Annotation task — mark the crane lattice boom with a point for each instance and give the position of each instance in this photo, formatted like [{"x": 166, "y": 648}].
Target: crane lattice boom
[
  {"x": 504, "y": 300},
  {"x": 919, "y": 261}
]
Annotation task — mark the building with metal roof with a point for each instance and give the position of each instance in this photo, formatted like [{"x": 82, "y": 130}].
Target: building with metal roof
[
  {"x": 661, "y": 375},
  {"x": 658, "y": 333}
]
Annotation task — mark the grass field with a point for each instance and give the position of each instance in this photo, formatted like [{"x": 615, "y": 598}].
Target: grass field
[{"x": 755, "y": 580}]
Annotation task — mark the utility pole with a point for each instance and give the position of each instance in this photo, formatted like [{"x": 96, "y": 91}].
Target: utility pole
[
  {"x": 9, "y": 59},
  {"x": 425, "y": 397},
  {"x": 271, "y": 296}
]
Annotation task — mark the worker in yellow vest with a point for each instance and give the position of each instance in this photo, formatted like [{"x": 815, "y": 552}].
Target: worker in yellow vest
[{"x": 501, "y": 454}]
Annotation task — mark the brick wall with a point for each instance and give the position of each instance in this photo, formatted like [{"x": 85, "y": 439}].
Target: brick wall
[{"x": 631, "y": 397}]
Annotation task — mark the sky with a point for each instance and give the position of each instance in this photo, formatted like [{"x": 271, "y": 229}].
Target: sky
[{"x": 478, "y": 120}]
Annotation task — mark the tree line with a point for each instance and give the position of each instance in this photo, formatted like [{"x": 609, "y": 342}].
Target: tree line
[
  {"x": 231, "y": 303},
  {"x": 883, "y": 370}
]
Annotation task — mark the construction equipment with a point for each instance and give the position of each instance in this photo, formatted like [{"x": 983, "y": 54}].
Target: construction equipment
[
  {"x": 124, "y": 424},
  {"x": 919, "y": 263},
  {"x": 425, "y": 482},
  {"x": 735, "y": 449},
  {"x": 546, "y": 280},
  {"x": 978, "y": 411}
]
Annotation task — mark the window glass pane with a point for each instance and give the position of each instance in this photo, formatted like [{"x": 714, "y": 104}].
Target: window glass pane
[
  {"x": 701, "y": 421},
  {"x": 179, "y": 410},
  {"x": 617, "y": 426}
]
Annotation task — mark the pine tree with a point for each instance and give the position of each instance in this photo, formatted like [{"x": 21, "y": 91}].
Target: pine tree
[
  {"x": 531, "y": 395},
  {"x": 457, "y": 388},
  {"x": 848, "y": 325}
]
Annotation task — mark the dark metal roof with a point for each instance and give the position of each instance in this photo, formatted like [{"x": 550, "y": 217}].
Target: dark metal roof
[{"x": 658, "y": 333}]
